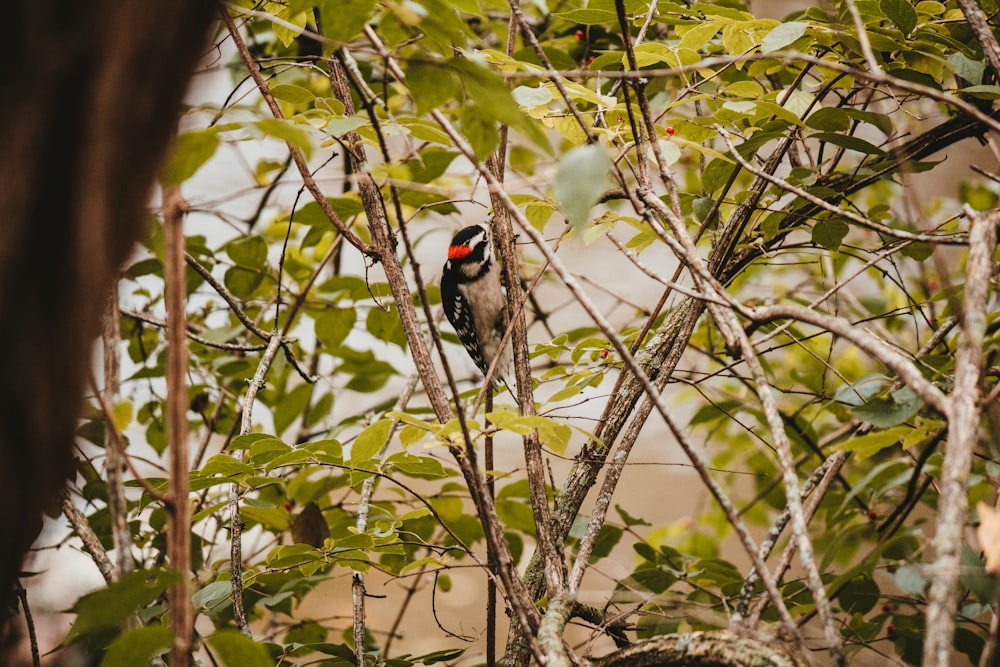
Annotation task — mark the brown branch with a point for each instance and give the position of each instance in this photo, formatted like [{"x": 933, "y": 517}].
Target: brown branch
[
  {"x": 91, "y": 543},
  {"x": 963, "y": 423},
  {"x": 178, "y": 508}
]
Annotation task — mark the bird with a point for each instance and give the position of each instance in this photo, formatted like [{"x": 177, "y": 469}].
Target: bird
[{"x": 475, "y": 302}]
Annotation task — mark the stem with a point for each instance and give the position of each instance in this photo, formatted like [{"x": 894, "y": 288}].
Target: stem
[
  {"x": 963, "y": 424},
  {"x": 178, "y": 508}
]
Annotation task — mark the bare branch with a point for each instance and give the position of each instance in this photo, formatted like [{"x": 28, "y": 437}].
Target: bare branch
[
  {"x": 963, "y": 424},
  {"x": 178, "y": 507}
]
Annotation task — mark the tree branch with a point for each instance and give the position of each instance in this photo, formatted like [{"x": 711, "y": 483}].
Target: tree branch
[
  {"x": 963, "y": 424},
  {"x": 178, "y": 508}
]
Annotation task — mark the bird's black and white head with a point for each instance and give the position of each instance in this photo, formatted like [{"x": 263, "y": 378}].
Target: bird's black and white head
[{"x": 470, "y": 254}]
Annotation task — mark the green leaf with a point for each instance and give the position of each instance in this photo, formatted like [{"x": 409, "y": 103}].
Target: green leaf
[
  {"x": 870, "y": 444},
  {"x": 234, "y": 649},
  {"x": 242, "y": 282},
  {"x": 481, "y": 133},
  {"x": 532, "y": 97},
  {"x": 859, "y": 391},
  {"x": 247, "y": 440},
  {"x": 107, "y": 608},
  {"x": 138, "y": 646},
  {"x": 516, "y": 515},
  {"x": 896, "y": 408},
  {"x": 386, "y": 325},
  {"x": 588, "y": 16},
  {"x": 432, "y": 84},
  {"x": 968, "y": 69},
  {"x": 829, "y": 119},
  {"x": 212, "y": 595},
  {"x": 782, "y": 36},
  {"x": 225, "y": 465},
  {"x": 343, "y": 20},
  {"x": 443, "y": 655},
  {"x": 581, "y": 178},
  {"x": 859, "y": 595},
  {"x": 553, "y": 434},
  {"x": 288, "y": 131},
  {"x": 912, "y": 578},
  {"x": 423, "y": 467},
  {"x": 370, "y": 440},
  {"x": 983, "y": 92},
  {"x": 312, "y": 214},
  {"x": 333, "y": 326},
  {"x": 699, "y": 35},
  {"x": 250, "y": 252},
  {"x": 900, "y": 12},
  {"x": 848, "y": 142},
  {"x": 188, "y": 153},
  {"x": 292, "y": 94},
  {"x": 830, "y": 233},
  {"x": 291, "y": 406},
  {"x": 341, "y": 125}
]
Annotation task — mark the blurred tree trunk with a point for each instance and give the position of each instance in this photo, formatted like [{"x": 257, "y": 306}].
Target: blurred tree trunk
[{"x": 91, "y": 97}]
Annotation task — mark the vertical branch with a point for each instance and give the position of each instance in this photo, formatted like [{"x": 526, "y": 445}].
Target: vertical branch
[
  {"x": 178, "y": 509},
  {"x": 963, "y": 424},
  {"x": 235, "y": 522},
  {"x": 383, "y": 241},
  {"x": 114, "y": 460},
  {"x": 491, "y": 557}
]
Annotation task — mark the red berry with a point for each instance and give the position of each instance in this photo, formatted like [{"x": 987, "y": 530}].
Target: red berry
[
  {"x": 872, "y": 515},
  {"x": 890, "y": 629},
  {"x": 886, "y": 609},
  {"x": 605, "y": 353},
  {"x": 590, "y": 60},
  {"x": 579, "y": 34},
  {"x": 288, "y": 507},
  {"x": 670, "y": 130}
]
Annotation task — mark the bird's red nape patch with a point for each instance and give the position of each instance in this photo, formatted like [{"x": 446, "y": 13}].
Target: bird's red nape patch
[{"x": 458, "y": 251}]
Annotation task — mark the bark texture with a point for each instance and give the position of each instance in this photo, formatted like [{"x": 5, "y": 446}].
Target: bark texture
[
  {"x": 89, "y": 107},
  {"x": 701, "y": 649}
]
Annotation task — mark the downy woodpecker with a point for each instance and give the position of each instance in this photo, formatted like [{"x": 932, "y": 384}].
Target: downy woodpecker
[{"x": 475, "y": 302}]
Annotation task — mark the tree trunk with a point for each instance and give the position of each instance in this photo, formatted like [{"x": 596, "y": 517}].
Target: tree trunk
[{"x": 90, "y": 103}]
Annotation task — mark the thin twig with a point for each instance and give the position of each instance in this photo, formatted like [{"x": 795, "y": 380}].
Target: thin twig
[{"x": 157, "y": 322}]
